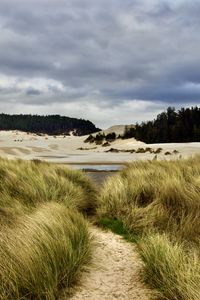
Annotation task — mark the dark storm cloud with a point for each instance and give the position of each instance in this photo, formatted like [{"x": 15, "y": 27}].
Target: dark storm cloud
[
  {"x": 59, "y": 54},
  {"x": 33, "y": 92}
]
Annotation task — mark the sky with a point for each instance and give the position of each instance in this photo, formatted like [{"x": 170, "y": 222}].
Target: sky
[{"x": 109, "y": 61}]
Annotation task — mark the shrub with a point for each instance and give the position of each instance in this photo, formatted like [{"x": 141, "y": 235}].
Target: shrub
[
  {"x": 140, "y": 150},
  {"x": 89, "y": 139},
  {"x": 110, "y": 137},
  {"x": 106, "y": 144},
  {"x": 167, "y": 153}
]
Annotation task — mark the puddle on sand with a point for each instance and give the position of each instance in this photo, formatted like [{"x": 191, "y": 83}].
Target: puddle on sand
[{"x": 52, "y": 156}]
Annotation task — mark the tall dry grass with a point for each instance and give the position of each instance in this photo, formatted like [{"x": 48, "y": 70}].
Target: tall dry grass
[
  {"x": 160, "y": 202},
  {"x": 24, "y": 185},
  {"x": 43, "y": 253},
  {"x": 170, "y": 267},
  {"x": 44, "y": 240}
]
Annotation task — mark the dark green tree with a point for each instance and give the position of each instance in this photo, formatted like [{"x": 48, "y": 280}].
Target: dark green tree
[
  {"x": 53, "y": 124},
  {"x": 170, "y": 126}
]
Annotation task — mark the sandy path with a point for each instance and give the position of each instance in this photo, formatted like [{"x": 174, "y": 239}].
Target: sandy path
[{"x": 114, "y": 274}]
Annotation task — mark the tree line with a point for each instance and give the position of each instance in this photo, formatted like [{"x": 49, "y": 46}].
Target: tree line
[
  {"x": 170, "y": 126},
  {"x": 50, "y": 124}
]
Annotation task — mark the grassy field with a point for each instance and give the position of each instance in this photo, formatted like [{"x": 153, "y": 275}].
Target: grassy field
[
  {"x": 44, "y": 238},
  {"x": 157, "y": 205}
]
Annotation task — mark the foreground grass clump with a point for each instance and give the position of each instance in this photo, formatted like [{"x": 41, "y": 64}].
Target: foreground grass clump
[
  {"x": 159, "y": 201},
  {"x": 24, "y": 185},
  {"x": 43, "y": 253},
  {"x": 170, "y": 268},
  {"x": 44, "y": 239}
]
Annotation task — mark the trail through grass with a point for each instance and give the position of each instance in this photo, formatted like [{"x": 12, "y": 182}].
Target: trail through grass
[
  {"x": 114, "y": 273},
  {"x": 45, "y": 241}
]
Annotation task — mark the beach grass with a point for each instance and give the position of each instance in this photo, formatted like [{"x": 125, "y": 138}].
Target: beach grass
[
  {"x": 170, "y": 267},
  {"x": 159, "y": 202},
  {"x": 44, "y": 236}
]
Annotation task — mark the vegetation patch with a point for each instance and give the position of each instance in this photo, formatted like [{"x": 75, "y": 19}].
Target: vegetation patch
[
  {"x": 167, "y": 153},
  {"x": 117, "y": 227},
  {"x": 53, "y": 125},
  {"x": 139, "y": 150},
  {"x": 101, "y": 138},
  {"x": 158, "y": 202},
  {"x": 44, "y": 237},
  {"x": 169, "y": 127},
  {"x": 170, "y": 268},
  {"x": 106, "y": 144}
]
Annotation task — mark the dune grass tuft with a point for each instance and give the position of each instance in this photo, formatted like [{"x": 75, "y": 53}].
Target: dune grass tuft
[
  {"x": 24, "y": 185},
  {"x": 44, "y": 238},
  {"x": 170, "y": 268}
]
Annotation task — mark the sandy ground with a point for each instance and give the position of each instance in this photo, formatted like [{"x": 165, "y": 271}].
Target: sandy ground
[
  {"x": 114, "y": 273},
  {"x": 118, "y": 129},
  {"x": 59, "y": 149}
]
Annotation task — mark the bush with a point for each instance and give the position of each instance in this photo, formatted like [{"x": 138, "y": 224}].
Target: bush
[
  {"x": 89, "y": 139},
  {"x": 110, "y": 137}
]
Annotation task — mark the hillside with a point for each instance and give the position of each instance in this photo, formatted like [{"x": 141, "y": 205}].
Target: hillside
[
  {"x": 52, "y": 124},
  {"x": 117, "y": 129}
]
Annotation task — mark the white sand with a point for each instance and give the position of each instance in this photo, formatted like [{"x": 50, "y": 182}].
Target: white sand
[
  {"x": 14, "y": 144},
  {"x": 115, "y": 271},
  {"x": 118, "y": 129}
]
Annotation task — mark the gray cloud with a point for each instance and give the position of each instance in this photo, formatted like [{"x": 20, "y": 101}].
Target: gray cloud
[{"x": 99, "y": 59}]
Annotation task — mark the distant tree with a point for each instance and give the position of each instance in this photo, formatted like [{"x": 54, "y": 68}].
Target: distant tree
[
  {"x": 170, "y": 126},
  {"x": 99, "y": 138},
  {"x": 128, "y": 132},
  {"x": 53, "y": 124},
  {"x": 110, "y": 137},
  {"x": 89, "y": 139}
]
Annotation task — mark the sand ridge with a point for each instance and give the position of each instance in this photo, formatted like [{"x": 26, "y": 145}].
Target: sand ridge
[{"x": 114, "y": 273}]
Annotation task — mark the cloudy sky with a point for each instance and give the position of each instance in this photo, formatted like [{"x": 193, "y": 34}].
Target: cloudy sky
[{"x": 110, "y": 61}]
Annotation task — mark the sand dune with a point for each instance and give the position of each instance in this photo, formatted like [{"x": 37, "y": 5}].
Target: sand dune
[
  {"x": 118, "y": 129},
  {"x": 15, "y": 144}
]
